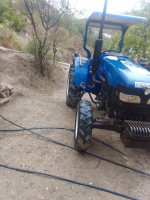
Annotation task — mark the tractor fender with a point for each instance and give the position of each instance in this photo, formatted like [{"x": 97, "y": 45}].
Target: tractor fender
[{"x": 83, "y": 75}]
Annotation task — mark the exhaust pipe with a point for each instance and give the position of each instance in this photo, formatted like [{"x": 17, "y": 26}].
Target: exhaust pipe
[{"x": 98, "y": 46}]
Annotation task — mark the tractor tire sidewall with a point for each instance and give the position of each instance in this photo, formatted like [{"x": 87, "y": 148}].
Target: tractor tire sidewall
[
  {"x": 73, "y": 94},
  {"x": 84, "y": 120}
]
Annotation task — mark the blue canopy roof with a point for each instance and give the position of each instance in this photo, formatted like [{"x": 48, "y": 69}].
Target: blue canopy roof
[{"x": 114, "y": 21}]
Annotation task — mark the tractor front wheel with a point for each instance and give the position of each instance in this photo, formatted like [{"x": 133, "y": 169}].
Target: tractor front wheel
[
  {"x": 83, "y": 125},
  {"x": 73, "y": 94}
]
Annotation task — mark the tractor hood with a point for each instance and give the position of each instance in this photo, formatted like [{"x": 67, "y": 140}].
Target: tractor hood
[{"x": 122, "y": 70}]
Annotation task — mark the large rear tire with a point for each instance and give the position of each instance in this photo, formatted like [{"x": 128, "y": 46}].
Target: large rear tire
[
  {"x": 73, "y": 94},
  {"x": 83, "y": 125}
]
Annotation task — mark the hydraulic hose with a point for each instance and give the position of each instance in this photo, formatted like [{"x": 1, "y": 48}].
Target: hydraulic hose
[{"x": 95, "y": 80}]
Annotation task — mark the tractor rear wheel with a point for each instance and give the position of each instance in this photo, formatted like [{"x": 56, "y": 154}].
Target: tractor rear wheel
[
  {"x": 83, "y": 125},
  {"x": 73, "y": 94}
]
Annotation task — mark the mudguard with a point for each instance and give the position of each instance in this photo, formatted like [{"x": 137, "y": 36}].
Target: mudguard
[{"x": 83, "y": 75}]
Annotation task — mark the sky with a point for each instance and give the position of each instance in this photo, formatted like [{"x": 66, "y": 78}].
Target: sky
[{"x": 114, "y": 6}]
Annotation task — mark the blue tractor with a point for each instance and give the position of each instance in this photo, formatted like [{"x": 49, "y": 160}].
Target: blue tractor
[{"x": 121, "y": 87}]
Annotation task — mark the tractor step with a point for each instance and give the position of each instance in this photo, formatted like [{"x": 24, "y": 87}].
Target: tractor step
[{"x": 136, "y": 134}]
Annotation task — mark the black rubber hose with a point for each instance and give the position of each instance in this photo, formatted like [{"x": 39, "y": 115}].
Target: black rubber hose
[
  {"x": 68, "y": 180},
  {"x": 61, "y": 128},
  {"x": 36, "y": 128},
  {"x": 92, "y": 99},
  {"x": 88, "y": 153},
  {"x": 106, "y": 144}
]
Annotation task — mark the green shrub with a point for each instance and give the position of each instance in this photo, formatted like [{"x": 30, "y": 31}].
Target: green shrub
[
  {"x": 9, "y": 16},
  {"x": 10, "y": 39},
  {"x": 31, "y": 46},
  {"x": 17, "y": 24}
]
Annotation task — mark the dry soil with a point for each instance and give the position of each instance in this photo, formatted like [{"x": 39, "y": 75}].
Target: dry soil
[{"x": 42, "y": 103}]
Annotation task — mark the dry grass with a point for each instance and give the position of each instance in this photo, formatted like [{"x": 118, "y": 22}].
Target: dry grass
[{"x": 10, "y": 39}]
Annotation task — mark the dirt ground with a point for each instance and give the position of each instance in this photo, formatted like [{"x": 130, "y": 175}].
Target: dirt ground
[{"x": 42, "y": 103}]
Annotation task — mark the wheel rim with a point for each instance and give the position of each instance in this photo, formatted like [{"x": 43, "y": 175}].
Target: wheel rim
[
  {"x": 67, "y": 87},
  {"x": 76, "y": 127}
]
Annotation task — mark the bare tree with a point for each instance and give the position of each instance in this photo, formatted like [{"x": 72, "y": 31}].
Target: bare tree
[
  {"x": 59, "y": 37},
  {"x": 44, "y": 15}
]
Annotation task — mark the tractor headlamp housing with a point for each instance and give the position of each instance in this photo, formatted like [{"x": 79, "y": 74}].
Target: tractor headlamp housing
[
  {"x": 147, "y": 92},
  {"x": 127, "y": 98},
  {"x": 148, "y": 102}
]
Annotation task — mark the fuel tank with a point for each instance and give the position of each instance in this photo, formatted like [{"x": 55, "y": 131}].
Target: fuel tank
[{"x": 122, "y": 70}]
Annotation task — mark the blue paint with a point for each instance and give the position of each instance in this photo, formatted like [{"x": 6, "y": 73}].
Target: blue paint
[
  {"x": 120, "y": 16},
  {"x": 83, "y": 74},
  {"x": 116, "y": 68},
  {"x": 122, "y": 70},
  {"x": 84, "y": 43},
  {"x": 122, "y": 39}
]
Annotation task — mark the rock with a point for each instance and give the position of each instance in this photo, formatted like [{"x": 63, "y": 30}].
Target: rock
[
  {"x": 11, "y": 91},
  {"x": 5, "y": 91},
  {"x": 2, "y": 93},
  {"x": 4, "y": 101}
]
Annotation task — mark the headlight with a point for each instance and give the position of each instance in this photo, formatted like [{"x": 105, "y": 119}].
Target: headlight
[
  {"x": 147, "y": 92},
  {"x": 148, "y": 102},
  {"x": 129, "y": 98}
]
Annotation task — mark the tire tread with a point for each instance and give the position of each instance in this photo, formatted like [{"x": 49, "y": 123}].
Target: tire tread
[
  {"x": 85, "y": 124},
  {"x": 74, "y": 93}
]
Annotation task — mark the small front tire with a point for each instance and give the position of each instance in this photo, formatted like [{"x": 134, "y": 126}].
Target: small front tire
[{"x": 83, "y": 125}]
